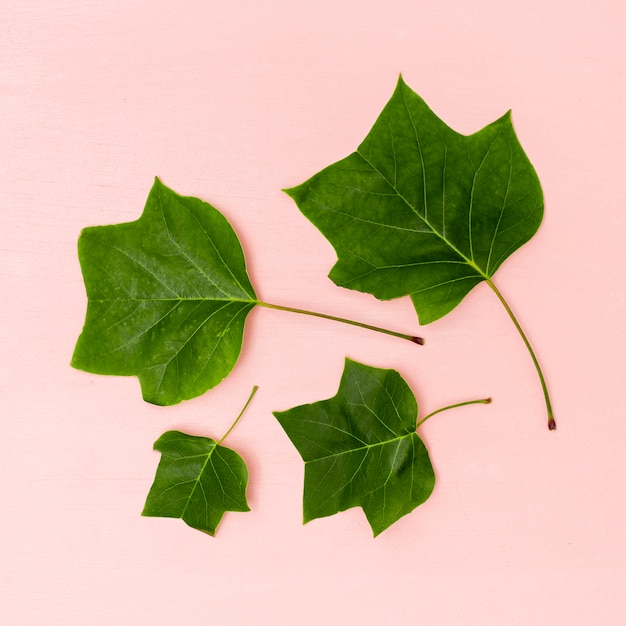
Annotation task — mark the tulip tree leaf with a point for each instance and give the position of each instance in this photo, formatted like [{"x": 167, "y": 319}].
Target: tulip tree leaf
[
  {"x": 168, "y": 295},
  {"x": 197, "y": 480},
  {"x": 422, "y": 210},
  {"x": 360, "y": 448}
]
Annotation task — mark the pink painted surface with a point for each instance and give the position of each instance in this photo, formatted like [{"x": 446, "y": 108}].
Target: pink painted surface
[{"x": 232, "y": 102}]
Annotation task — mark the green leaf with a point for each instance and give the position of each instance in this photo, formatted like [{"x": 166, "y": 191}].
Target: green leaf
[
  {"x": 168, "y": 295},
  {"x": 422, "y": 210},
  {"x": 197, "y": 480},
  {"x": 360, "y": 448}
]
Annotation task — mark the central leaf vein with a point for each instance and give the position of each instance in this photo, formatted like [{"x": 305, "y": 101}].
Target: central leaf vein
[{"x": 424, "y": 219}]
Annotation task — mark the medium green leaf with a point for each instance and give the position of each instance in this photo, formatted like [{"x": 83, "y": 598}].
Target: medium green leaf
[
  {"x": 168, "y": 297},
  {"x": 360, "y": 448},
  {"x": 422, "y": 210},
  {"x": 197, "y": 480}
]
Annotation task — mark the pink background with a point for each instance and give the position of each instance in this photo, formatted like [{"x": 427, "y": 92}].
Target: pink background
[{"x": 233, "y": 103}]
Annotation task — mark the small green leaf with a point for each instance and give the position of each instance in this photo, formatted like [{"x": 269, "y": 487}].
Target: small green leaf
[
  {"x": 197, "y": 480},
  {"x": 422, "y": 210},
  {"x": 360, "y": 448},
  {"x": 168, "y": 297}
]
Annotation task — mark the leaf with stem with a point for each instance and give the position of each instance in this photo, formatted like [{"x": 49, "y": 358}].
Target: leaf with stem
[
  {"x": 361, "y": 448},
  {"x": 168, "y": 297},
  {"x": 198, "y": 479},
  {"x": 424, "y": 211}
]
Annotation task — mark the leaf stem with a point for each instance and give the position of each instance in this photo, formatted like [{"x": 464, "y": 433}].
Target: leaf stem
[
  {"x": 393, "y": 333},
  {"x": 453, "y": 406},
  {"x": 546, "y": 395},
  {"x": 245, "y": 406}
]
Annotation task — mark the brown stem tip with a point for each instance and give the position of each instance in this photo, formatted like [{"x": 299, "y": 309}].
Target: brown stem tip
[
  {"x": 551, "y": 423},
  {"x": 418, "y": 340}
]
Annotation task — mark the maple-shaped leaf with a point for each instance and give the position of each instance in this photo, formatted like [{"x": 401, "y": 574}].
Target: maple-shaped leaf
[
  {"x": 197, "y": 480},
  {"x": 360, "y": 448},
  {"x": 168, "y": 295},
  {"x": 422, "y": 210}
]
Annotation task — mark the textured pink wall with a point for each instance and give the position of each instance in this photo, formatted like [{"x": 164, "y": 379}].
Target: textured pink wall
[{"x": 232, "y": 102}]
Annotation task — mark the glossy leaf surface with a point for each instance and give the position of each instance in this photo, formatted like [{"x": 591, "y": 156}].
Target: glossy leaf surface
[
  {"x": 360, "y": 448},
  {"x": 168, "y": 296},
  {"x": 422, "y": 210},
  {"x": 197, "y": 480}
]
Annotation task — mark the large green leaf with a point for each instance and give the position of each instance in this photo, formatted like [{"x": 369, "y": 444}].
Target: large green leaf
[
  {"x": 197, "y": 480},
  {"x": 360, "y": 448},
  {"x": 422, "y": 210},
  {"x": 168, "y": 295}
]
